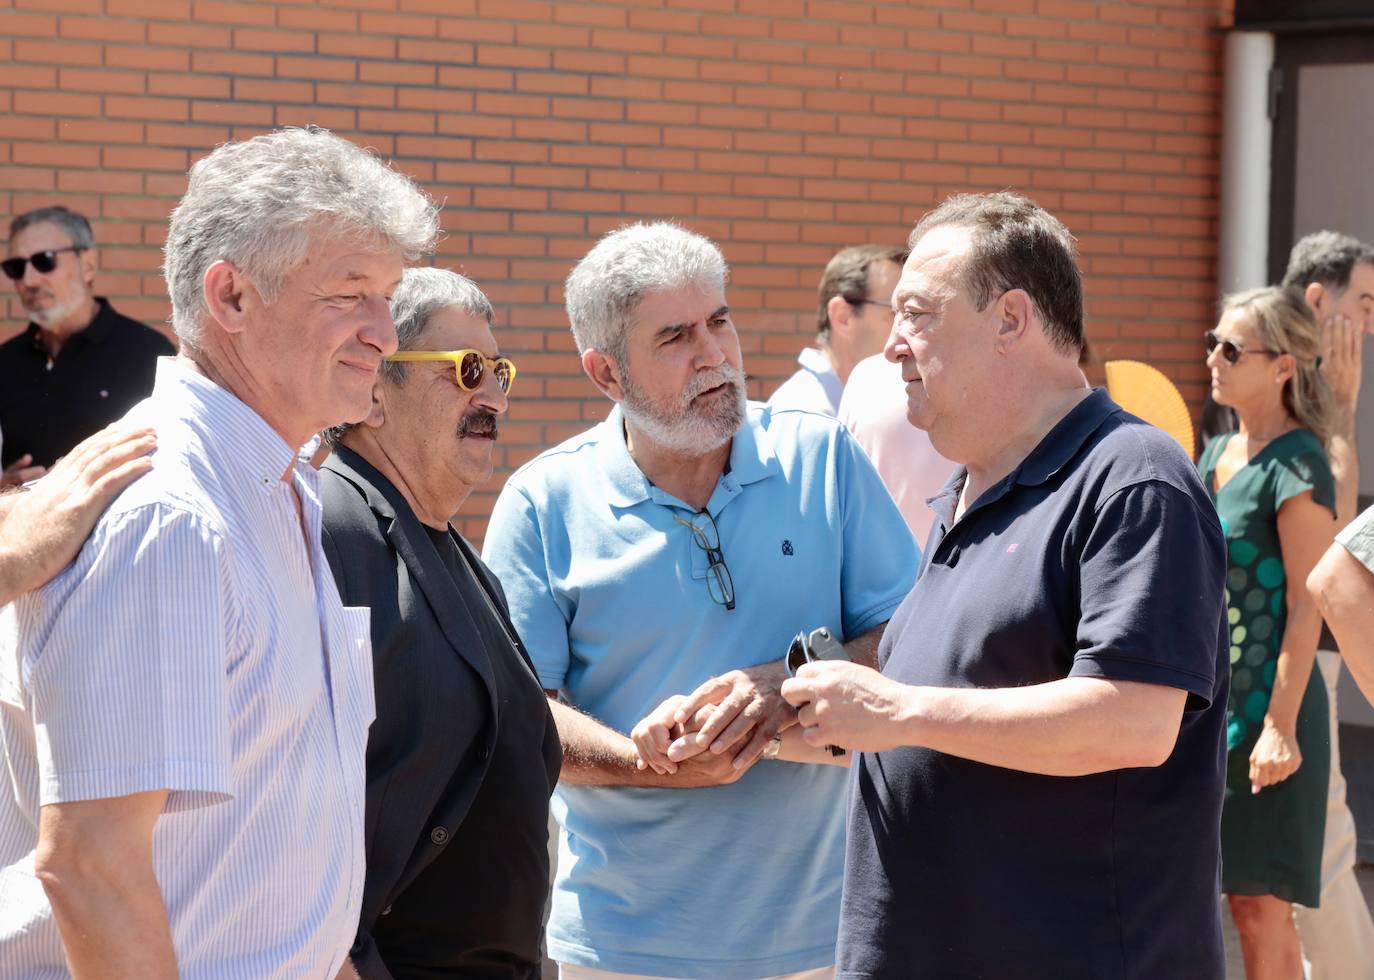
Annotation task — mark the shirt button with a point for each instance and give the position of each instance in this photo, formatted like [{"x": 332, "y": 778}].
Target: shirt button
[{"x": 439, "y": 835}]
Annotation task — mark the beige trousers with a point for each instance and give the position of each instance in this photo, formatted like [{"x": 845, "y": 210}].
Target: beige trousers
[{"x": 1338, "y": 937}]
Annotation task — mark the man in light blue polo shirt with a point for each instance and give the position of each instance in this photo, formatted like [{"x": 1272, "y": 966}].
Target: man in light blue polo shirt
[{"x": 678, "y": 547}]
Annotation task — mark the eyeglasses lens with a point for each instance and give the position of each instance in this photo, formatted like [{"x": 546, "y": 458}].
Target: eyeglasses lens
[
  {"x": 470, "y": 370},
  {"x": 1229, "y": 351},
  {"x": 474, "y": 366},
  {"x": 43, "y": 262}
]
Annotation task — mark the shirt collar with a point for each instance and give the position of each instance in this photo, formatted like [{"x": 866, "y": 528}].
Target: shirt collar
[
  {"x": 751, "y": 459},
  {"x": 815, "y": 361},
  {"x": 1062, "y": 443},
  {"x": 252, "y": 451},
  {"x": 1055, "y": 451}
]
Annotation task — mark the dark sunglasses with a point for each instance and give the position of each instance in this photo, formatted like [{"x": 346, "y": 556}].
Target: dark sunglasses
[
  {"x": 44, "y": 261},
  {"x": 819, "y": 645},
  {"x": 1230, "y": 350},
  {"x": 470, "y": 365}
]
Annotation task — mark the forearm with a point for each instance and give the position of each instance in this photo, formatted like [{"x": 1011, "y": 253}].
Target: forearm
[
  {"x": 1297, "y": 654},
  {"x": 1345, "y": 467},
  {"x": 597, "y": 755},
  {"x": 1071, "y": 727},
  {"x": 10, "y": 585},
  {"x": 863, "y": 649},
  {"x": 1344, "y": 591},
  {"x": 112, "y": 928}
]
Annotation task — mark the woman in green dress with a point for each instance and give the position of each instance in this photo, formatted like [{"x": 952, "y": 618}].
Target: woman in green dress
[{"x": 1273, "y": 489}]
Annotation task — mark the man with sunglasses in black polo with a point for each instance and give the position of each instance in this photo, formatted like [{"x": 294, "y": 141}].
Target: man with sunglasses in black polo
[{"x": 79, "y": 365}]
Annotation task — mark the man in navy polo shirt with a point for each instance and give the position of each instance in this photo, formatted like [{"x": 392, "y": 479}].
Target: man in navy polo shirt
[{"x": 1039, "y": 790}]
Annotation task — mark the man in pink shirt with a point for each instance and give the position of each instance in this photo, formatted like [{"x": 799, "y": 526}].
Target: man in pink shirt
[{"x": 873, "y": 409}]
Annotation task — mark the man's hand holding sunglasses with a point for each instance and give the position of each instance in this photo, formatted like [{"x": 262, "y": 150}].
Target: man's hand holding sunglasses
[{"x": 849, "y": 705}]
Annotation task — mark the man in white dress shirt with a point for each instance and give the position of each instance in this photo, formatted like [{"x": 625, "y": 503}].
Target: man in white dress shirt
[
  {"x": 853, "y": 318},
  {"x": 184, "y": 710}
]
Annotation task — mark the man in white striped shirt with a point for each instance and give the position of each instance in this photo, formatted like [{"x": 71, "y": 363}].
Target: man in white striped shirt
[{"x": 184, "y": 710}]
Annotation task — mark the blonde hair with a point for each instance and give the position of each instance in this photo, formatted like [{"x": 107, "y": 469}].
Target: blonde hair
[{"x": 1283, "y": 324}]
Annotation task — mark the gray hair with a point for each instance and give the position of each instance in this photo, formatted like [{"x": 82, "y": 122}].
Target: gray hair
[
  {"x": 604, "y": 289},
  {"x": 1327, "y": 257},
  {"x": 76, "y": 226},
  {"x": 423, "y": 292},
  {"x": 260, "y": 204}
]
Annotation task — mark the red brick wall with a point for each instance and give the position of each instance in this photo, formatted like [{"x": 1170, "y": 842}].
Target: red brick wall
[{"x": 784, "y": 129}]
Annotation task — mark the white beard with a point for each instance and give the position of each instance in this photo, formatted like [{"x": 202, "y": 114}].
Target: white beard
[{"x": 684, "y": 427}]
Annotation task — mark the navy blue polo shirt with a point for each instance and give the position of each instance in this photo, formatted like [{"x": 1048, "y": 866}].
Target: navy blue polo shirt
[{"x": 1099, "y": 556}]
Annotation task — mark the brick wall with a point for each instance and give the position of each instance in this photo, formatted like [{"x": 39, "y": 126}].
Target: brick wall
[{"x": 782, "y": 128}]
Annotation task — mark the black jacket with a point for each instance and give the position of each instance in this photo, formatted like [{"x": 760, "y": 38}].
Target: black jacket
[{"x": 462, "y": 756}]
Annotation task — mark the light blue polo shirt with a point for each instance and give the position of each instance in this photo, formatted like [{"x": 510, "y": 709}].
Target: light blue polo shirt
[{"x": 611, "y": 599}]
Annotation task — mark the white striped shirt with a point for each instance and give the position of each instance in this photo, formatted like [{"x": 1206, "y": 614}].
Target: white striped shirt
[{"x": 198, "y": 645}]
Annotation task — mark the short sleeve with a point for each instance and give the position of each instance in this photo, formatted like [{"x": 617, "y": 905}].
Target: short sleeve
[
  {"x": 1358, "y": 539},
  {"x": 1305, "y": 469},
  {"x": 514, "y": 551},
  {"x": 125, "y": 661},
  {"x": 1152, "y": 592},
  {"x": 880, "y": 555}
]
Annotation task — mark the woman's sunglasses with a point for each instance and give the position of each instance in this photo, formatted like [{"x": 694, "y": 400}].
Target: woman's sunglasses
[
  {"x": 1230, "y": 350},
  {"x": 44, "y": 261},
  {"x": 470, "y": 366}
]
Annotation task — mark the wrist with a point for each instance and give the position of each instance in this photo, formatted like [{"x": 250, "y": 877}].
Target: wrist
[
  {"x": 1286, "y": 729},
  {"x": 911, "y": 716}
]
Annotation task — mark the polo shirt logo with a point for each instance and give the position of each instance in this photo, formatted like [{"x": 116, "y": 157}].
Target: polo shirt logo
[{"x": 787, "y": 547}]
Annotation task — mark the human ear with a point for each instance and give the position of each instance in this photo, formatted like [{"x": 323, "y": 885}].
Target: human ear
[
  {"x": 1015, "y": 311},
  {"x": 604, "y": 373},
  {"x": 840, "y": 314},
  {"x": 376, "y": 415},
  {"x": 90, "y": 262},
  {"x": 224, "y": 288},
  {"x": 1315, "y": 297}
]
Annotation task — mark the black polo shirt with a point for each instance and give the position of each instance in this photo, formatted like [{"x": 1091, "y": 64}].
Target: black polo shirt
[
  {"x": 48, "y": 405},
  {"x": 1099, "y": 556}
]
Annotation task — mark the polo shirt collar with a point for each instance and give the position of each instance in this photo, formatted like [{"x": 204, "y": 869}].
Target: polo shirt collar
[
  {"x": 1055, "y": 451},
  {"x": 751, "y": 459},
  {"x": 1062, "y": 443}
]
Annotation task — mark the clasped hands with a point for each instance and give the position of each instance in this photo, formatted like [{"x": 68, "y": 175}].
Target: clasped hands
[
  {"x": 723, "y": 726},
  {"x": 835, "y": 703}
]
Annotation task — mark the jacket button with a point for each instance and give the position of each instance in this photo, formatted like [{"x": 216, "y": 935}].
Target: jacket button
[
  {"x": 483, "y": 753},
  {"x": 439, "y": 835},
  {"x": 387, "y": 910}
]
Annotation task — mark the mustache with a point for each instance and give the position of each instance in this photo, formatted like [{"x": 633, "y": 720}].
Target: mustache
[
  {"x": 725, "y": 374},
  {"x": 478, "y": 424}
]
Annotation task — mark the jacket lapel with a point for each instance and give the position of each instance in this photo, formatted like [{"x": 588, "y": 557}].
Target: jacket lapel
[{"x": 412, "y": 544}]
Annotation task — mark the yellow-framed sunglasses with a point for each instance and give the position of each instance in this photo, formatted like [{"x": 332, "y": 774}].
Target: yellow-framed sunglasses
[{"x": 469, "y": 365}]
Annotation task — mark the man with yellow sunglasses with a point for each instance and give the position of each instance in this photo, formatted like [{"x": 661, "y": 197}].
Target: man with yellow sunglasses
[{"x": 457, "y": 792}]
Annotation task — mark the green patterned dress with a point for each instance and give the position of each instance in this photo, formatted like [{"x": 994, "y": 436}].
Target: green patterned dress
[{"x": 1271, "y": 842}]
